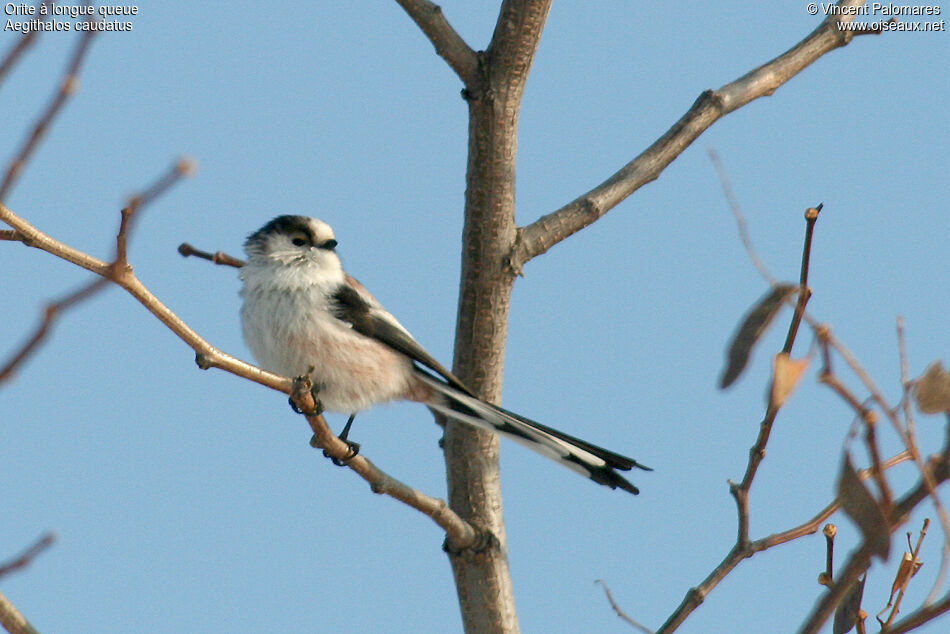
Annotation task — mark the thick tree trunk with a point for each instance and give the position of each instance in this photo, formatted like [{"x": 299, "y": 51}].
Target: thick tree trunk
[{"x": 482, "y": 577}]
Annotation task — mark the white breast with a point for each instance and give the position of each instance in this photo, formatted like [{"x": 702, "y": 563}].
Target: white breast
[{"x": 288, "y": 327}]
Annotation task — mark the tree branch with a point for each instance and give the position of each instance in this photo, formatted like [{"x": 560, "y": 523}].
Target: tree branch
[
  {"x": 513, "y": 47},
  {"x": 17, "y": 50},
  {"x": 218, "y": 257},
  {"x": 449, "y": 45},
  {"x": 938, "y": 470},
  {"x": 544, "y": 233},
  {"x": 12, "y": 620},
  {"x": 619, "y": 611},
  {"x": 53, "y": 309},
  {"x": 25, "y": 558},
  {"x": 696, "y": 595},
  {"x": 207, "y": 356},
  {"x": 67, "y": 87},
  {"x": 460, "y": 534}
]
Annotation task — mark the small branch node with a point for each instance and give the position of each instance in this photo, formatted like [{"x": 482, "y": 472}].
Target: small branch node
[
  {"x": 483, "y": 541},
  {"x": 203, "y": 361}
]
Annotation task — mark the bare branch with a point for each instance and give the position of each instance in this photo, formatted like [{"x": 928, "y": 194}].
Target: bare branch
[
  {"x": 739, "y": 216},
  {"x": 68, "y": 86},
  {"x": 757, "y": 453},
  {"x": 921, "y": 616},
  {"x": 182, "y": 168},
  {"x": 207, "y": 356},
  {"x": 25, "y": 558},
  {"x": 17, "y": 50},
  {"x": 51, "y": 312},
  {"x": 825, "y": 335},
  {"x": 623, "y": 615},
  {"x": 449, "y": 45},
  {"x": 695, "y": 596},
  {"x": 902, "y": 580},
  {"x": 541, "y": 235},
  {"x": 53, "y": 309},
  {"x": 459, "y": 533},
  {"x": 514, "y": 44},
  {"x": 218, "y": 257},
  {"x": 938, "y": 470},
  {"x": 828, "y": 576},
  {"x": 12, "y": 620}
]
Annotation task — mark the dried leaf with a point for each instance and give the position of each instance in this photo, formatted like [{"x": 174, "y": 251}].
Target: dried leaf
[
  {"x": 754, "y": 324},
  {"x": 786, "y": 373},
  {"x": 860, "y": 505},
  {"x": 906, "y": 571},
  {"x": 849, "y": 610},
  {"x": 933, "y": 390}
]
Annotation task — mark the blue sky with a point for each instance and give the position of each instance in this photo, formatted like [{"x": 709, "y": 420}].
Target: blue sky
[{"x": 189, "y": 501}]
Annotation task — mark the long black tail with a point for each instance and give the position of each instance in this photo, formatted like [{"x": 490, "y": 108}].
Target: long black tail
[{"x": 595, "y": 462}]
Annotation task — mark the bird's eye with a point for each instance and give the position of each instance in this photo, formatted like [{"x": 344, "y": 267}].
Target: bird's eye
[{"x": 299, "y": 240}]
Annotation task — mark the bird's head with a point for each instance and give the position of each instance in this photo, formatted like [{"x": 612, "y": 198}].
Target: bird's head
[{"x": 293, "y": 241}]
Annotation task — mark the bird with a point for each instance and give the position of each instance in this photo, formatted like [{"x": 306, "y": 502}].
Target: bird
[{"x": 302, "y": 313}]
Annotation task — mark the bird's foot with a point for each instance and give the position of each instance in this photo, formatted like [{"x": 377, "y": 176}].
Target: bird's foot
[
  {"x": 354, "y": 446},
  {"x": 316, "y": 411},
  {"x": 301, "y": 383}
]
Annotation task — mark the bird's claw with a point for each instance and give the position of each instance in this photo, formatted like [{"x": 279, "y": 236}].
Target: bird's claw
[
  {"x": 317, "y": 406},
  {"x": 354, "y": 446},
  {"x": 352, "y": 453}
]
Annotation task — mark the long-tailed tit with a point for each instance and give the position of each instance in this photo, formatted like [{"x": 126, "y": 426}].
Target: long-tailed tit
[{"x": 301, "y": 310}]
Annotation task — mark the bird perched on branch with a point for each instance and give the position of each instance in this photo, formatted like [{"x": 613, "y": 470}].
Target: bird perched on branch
[{"x": 303, "y": 313}]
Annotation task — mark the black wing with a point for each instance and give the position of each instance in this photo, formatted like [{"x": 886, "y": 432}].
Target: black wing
[{"x": 369, "y": 319}]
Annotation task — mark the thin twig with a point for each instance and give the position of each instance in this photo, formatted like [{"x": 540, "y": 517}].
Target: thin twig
[
  {"x": 757, "y": 452},
  {"x": 695, "y": 596},
  {"x": 905, "y": 381},
  {"x": 938, "y": 470},
  {"x": 623, "y": 615},
  {"x": 828, "y": 576},
  {"x": 914, "y": 564},
  {"x": 742, "y": 225},
  {"x": 811, "y": 526},
  {"x": 67, "y": 87},
  {"x": 182, "y": 168},
  {"x": 54, "y": 309},
  {"x": 25, "y": 558},
  {"x": 870, "y": 419},
  {"x": 743, "y": 547},
  {"x": 824, "y": 333},
  {"x": 51, "y": 312},
  {"x": 218, "y": 257},
  {"x": 26, "y": 40},
  {"x": 811, "y": 217}
]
